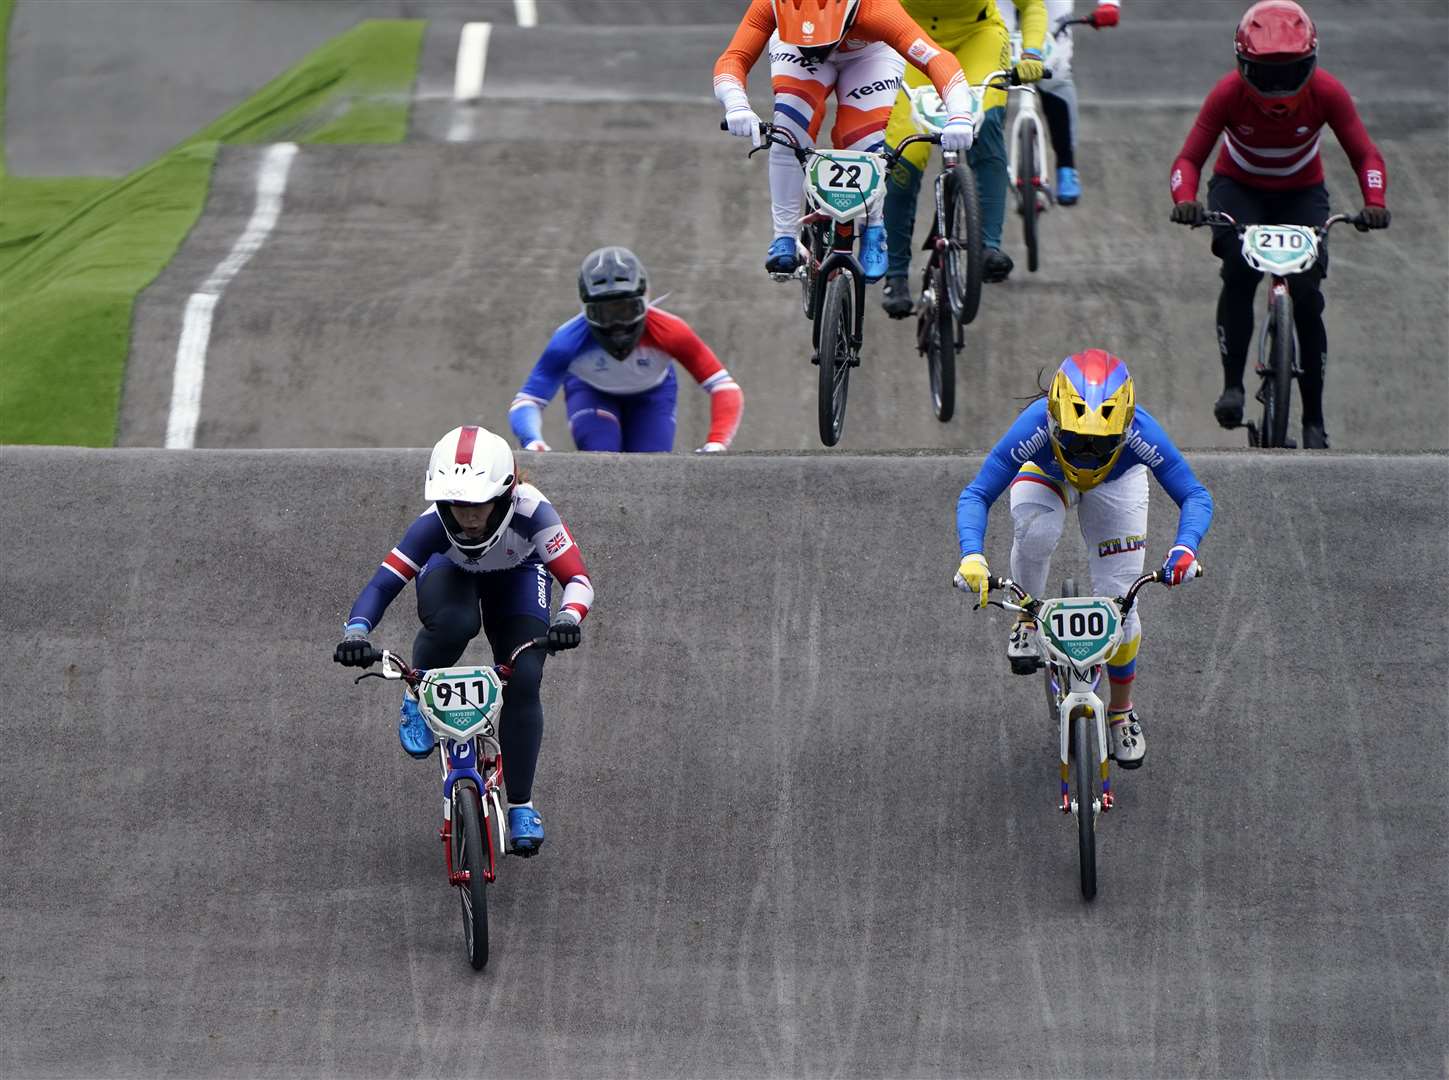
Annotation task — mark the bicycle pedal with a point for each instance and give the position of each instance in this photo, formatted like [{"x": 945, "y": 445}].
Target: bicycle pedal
[
  {"x": 783, "y": 278},
  {"x": 815, "y": 359}
]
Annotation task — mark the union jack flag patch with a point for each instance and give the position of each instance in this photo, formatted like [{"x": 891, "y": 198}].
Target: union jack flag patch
[{"x": 556, "y": 542}]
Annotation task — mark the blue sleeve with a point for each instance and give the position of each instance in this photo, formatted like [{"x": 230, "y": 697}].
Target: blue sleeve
[
  {"x": 997, "y": 472},
  {"x": 1194, "y": 501},
  {"x": 424, "y": 539},
  {"x": 525, "y": 415}
]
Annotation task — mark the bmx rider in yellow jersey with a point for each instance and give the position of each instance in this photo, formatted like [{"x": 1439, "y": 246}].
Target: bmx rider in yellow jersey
[{"x": 975, "y": 33}]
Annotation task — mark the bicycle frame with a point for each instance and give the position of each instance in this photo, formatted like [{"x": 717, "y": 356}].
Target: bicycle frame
[
  {"x": 478, "y": 759},
  {"x": 1073, "y": 686}
]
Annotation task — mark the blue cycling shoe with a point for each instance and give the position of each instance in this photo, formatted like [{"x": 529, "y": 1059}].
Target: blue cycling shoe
[
  {"x": 873, "y": 258},
  {"x": 525, "y": 830},
  {"x": 782, "y": 258},
  {"x": 413, "y": 731},
  {"x": 1069, "y": 188}
]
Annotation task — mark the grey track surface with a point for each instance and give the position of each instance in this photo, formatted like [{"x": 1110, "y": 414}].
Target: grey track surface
[
  {"x": 423, "y": 280},
  {"x": 100, "y": 87},
  {"x": 801, "y": 818}
]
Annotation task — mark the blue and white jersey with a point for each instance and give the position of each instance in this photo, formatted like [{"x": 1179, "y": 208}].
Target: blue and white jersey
[
  {"x": 535, "y": 534},
  {"x": 1027, "y": 442}
]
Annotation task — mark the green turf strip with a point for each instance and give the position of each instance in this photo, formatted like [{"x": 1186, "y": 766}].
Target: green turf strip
[{"x": 75, "y": 254}]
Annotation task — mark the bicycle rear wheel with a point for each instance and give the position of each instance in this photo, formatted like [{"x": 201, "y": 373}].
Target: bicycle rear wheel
[
  {"x": 473, "y": 852},
  {"x": 941, "y": 347},
  {"x": 837, "y": 321},
  {"x": 963, "y": 247},
  {"x": 1028, "y": 176},
  {"x": 1084, "y": 768},
  {"x": 1277, "y": 392}
]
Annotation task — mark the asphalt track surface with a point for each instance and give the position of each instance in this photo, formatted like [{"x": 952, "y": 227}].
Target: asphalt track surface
[
  {"x": 801, "y": 817},
  {"x": 409, "y": 288}
]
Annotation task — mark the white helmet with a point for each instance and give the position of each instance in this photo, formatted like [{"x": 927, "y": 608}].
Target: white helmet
[{"x": 472, "y": 465}]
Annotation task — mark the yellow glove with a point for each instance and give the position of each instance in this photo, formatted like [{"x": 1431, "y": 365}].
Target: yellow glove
[
  {"x": 973, "y": 575},
  {"x": 1029, "y": 68}
]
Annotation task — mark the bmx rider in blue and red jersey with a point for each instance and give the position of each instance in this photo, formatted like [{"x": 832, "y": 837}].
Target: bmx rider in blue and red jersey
[{"x": 484, "y": 556}]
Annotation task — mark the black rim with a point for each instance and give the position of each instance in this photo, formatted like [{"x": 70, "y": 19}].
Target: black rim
[
  {"x": 1028, "y": 192},
  {"x": 963, "y": 252},
  {"x": 1085, "y": 761},
  {"x": 470, "y": 853},
  {"x": 835, "y": 356},
  {"x": 1278, "y": 385},
  {"x": 941, "y": 350}
]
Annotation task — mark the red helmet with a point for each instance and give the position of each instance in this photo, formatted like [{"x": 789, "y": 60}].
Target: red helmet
[
  {"x": 1277, "y": 47},
  {"x": 815, "y": 27}
]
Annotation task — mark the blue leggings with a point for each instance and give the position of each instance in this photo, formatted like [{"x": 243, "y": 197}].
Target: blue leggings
[{"x": 634, "y": 423}]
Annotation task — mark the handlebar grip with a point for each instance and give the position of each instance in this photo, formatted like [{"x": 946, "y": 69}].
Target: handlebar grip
[{"x": 723, "y": 126}]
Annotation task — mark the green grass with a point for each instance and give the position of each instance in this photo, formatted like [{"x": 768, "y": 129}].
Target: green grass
[{"x": 75, "y": 253}]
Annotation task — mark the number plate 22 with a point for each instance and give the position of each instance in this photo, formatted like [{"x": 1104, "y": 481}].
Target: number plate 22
[{"x": 846, "y": 183}]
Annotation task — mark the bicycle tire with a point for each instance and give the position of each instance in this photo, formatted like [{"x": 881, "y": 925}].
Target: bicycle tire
[
  {"x": 941, "y": 348},
  {"x": 835, "y": 354},
  {"x": 963, "y": 236},
  {"x": 1027, "y": 176},
  {"x": 472, "y": 851},
  {"x": 1083, "y": 768},
  {"x": 1278, "y": 381}
]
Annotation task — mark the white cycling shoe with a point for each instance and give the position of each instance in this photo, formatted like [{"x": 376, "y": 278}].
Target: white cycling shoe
[
  {"x": 1021, "y": 649},
  {"x": 1125, "y": 739}
]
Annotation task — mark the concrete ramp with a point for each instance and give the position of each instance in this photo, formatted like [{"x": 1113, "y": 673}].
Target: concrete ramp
[{"x": 801, "y": 817}]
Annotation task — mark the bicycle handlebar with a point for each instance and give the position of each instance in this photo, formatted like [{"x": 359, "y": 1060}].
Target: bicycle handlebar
[
  {"x": 1225, "y": 220},
  {"x": 1029, "y": 604},
  {"x": 413, "y": 676}
]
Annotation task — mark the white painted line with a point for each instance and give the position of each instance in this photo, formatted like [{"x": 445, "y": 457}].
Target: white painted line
[
  {"x": 196, "y": 326},
  {"x": 527, "y": 11},
  {"x": 472, "y": 60}
]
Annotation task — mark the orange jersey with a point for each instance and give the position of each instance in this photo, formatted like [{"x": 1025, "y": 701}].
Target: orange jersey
[{"x": 875, "y": 20}]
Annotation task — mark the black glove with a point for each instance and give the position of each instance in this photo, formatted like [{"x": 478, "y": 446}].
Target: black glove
[
  {"x": 564, "y": 634},
  {"x": 1372, "y": 217},
  {"x": 1187, "y": 213},
  {"x": 355, "y": 651}
]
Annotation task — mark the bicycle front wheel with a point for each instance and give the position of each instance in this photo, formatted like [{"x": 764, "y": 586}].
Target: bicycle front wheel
[
  {"x": 1084, "y": 763},
  {"x": 1277, "y": 393},
  {"x": 941, "y": 347},
  {"x": 1028, "y": 176},
  {"x": 963, "y": 243},
  {"x": 473, "y": 853},
  {"x": 837, "y": 322}
]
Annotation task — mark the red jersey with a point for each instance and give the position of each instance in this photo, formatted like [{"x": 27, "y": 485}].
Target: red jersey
[{"x": 1277, "y": 153}]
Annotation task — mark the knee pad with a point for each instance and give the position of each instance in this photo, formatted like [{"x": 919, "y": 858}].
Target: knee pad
[{"x": 1035, "y": 531}]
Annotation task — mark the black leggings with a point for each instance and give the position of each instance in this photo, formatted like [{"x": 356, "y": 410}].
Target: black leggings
[
  {"x": 453, "y": 606},
  {"x": 1251, "y": 206},
  {"x": 1059, "y": 123}
]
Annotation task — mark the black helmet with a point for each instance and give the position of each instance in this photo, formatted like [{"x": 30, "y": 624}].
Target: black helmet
[{"x": 612, "y": 285}]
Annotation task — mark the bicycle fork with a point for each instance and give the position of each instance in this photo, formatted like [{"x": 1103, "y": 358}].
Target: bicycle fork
[
  {"x": 1068, "y": 706},
  {"x": 460, "y": 762}
]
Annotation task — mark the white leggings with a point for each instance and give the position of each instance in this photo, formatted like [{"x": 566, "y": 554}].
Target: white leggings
[
  {"x": 865, "y": 82},
  {"x": 1113, "y": 519}
]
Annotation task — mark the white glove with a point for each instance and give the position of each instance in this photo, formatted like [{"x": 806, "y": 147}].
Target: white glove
[
  {"x": 743, "y": 123},
  {"x": 958, "y": 134},
  {"x": 712, "y": 448},
  {"x": 538, "y": 444}
]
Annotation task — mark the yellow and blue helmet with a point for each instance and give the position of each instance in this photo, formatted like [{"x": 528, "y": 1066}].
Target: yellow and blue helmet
[{"x": 1090, "y": 407}]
